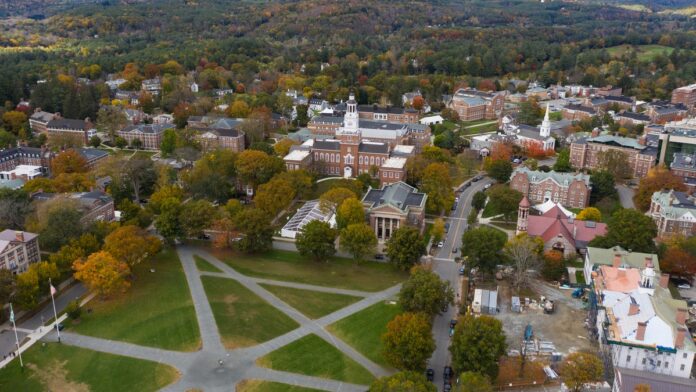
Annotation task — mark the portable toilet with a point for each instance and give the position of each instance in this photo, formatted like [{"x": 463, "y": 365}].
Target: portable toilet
[
  {"x": 484, "y": 301},
  {"x": 476, "y": 304},
  {"x": 516, "y": 307},
  {"x": 493, "y": 302}
]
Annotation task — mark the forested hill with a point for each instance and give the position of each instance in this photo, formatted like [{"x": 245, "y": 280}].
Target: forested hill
[{"x": 465, "y": 38}]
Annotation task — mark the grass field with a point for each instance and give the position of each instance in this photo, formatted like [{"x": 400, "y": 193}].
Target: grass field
[
  {"x": 58, "y": 367},
  {"x": 644, "y": 52},
  {"x": 313, "y": 304},
  {"x": 363, "y": 330},
  {"x": 203, "y": 265},
  {"x": 268, "y": 386},
  {"x": 313, "y": 356},
  {"x": 157, "y": 311},
  {"x": 243, "y": 318},
  {"x": 291, "y": 266},
  {"x": 322, "y": 187}
]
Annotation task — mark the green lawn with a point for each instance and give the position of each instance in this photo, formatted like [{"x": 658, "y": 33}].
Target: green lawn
[
  {"x": 291, "y": 266},
  {"x": 644, "y": 52},
  {"x": 57, "y": 367},
  {"x": 313, "y": 356},
  {"x": 157, "y": 311},
  {"x": 579, "y": 277},
  {"x": 269, "y": 386},
  {"x": 322, "y": 187},
  {"x": 313, "y": 304},
  {"x": 243, "y": 318},
  {"x": 203, "y": 265},
  {"x": 363, "y": 330}
]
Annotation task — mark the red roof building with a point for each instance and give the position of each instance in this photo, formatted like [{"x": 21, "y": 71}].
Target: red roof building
[{"x": 559, "y": 230}]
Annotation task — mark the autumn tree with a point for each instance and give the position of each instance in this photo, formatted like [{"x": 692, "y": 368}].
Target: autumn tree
[
  {"x": 408, "y": 342},
  {"x": 282, "y": 146},
  {"x": 57, "y": 221},
  {"x": 679, "y": 262},
  {"x": 403, "y": 382},
  {"x": 359, "y": 240},
  {"x": 425, "y": 292},
  {"x": 334, "y": 197},
  {"x": 554, "y": 266},
  {"x": 504, "y": 200},
  {"x": 256, "y": 229},
  {"x": 629, "y": 229},
  {"x": 524, "y": 253},
  {"x": 110, "y": 120},
  {"x": 103, "y": 274},
  {"x": 350, "y": 211},
  {"x": 437, "y": 184},
  {"x": 238, "y": 109},
  {"x": 581, "y": 368},
  {"x": 317, "y": 240},
  {"x": 483, "y": 245},
  {"x": 437, "y": 231},
  {"x": 473, "y": 382},
  {"x": 168, "y": 222},
  {"x": 196, "y": 216},
  {"x": 27, "y": 290},
  {"x": 15, "y": 120},
  {"x": 418, "y": 102},
  {"x": 131, "y": 244},
  {"x": 405, "y": 247},
  {"x": 658, "y": 178},
  {"x": 590, "y": 214},
  {"x": 500, "y": 170},
  {"x": 274, "y": 196},
  {"x": 477, "y": 345},
  {"x": 255, "y": 167},
  {"x": 69, "y": 161}
]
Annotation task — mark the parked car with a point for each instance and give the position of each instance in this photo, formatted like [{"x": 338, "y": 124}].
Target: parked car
[
  {"x": 454, "y": 206},
  {"x": 379, "y": 257},
  {"x": 440, "y": 244},
  {"x": 447, "y": 387},
  {"x": 461, "y": 271},
  {"x": 447, "y": 374},
  {"x": 447, "y": 226},
  {"x": 681, "y": 283},
  {"x": 204, "y": 237},
  {"x": 61, "y": 327},
  {"x": 486, "y": 186},
  {"x": 475, "y": 179},
  {"x": 455, "y": 250},
  {"x": 444, "y": 308},
  {"x": 451, "y": 332},
  {"x": 456, "y": 200},
  {"x": 453, "y": 322},
  {"x": 430, "y": 374}
]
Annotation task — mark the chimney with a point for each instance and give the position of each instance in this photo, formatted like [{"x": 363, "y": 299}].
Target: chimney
[
  {"x": 664, "y": 280},
  {"x": 681, "y": 316},
  {"x": 640, "y": 332},
  {"x": 19, "y": 236},
  {"x": 633, "y": 309},
  {"x": 617, "y": 260},
  {"x": 681, "y": 335}
]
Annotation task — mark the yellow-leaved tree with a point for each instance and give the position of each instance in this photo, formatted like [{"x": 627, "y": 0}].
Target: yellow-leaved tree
[
  {"x": 102, "y": 273},
  {"x": 131, "y": 244}
]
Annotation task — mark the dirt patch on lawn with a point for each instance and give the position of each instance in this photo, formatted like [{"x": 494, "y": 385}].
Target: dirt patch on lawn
[
  {"x": 230, "y": 299},
  {"x": 54, "y": 377}
]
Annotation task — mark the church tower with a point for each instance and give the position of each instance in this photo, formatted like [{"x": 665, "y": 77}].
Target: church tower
[
  {"x": 545, "y": 130},
  {"x": 349, "y": 135},
  {"x": 522, "y": 216},
  {"x": 351, "y": 120}
]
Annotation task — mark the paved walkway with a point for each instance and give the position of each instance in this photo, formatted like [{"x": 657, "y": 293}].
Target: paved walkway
[{"x": 202, "y": 370}]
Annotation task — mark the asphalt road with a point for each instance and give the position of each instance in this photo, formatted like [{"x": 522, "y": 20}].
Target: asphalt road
[
  {"x": 445, "y": 266},
  {"x": 7, "y": 338}
]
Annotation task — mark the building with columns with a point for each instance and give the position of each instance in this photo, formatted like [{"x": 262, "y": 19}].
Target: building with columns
[{"x": 393, "y": 206}]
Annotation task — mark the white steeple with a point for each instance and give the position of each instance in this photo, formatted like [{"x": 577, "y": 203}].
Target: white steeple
[
  {"x": 545, "y": 130},
  {"x": 351, "y": 119}
]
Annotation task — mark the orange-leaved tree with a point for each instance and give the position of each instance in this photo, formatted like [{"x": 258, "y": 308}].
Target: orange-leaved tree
[
  {"x": 102, "y": 273},
  {"x": 131, "y": 244},
  {"x": 658, "y": 178}
]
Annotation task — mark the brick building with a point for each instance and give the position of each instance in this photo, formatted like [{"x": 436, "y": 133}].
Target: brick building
[
  {"x": 661, "y": 112},
  {"x": 12, "y": 157},
  {"x": 685, "y": 95},
  {"x": 350, "y": 154},
  {"x": 388, "y": 113},
  {"x": 95, "y": 206},
  {"x": 673, "y": 213},
  {"x": 578, "y": 112},
  {"x": 472, "y": 104},
  {"x": 625, "y": 118},
  {"x": 18, "y": 249},
  {"x": 222, "y": 132},
  {"x": 571, "y": 190},
  {"x": 394, "y": 206},
  {"x": 684, "y": 165},
  {"x": 39, "y": 120},
  {"x": 60, "y": 130},
  {"x": 586, "y": 153},
  {"x": 150, "y": 135}
]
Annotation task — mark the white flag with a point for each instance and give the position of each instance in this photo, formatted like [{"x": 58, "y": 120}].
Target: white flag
[{"x": 53, "y": 289}]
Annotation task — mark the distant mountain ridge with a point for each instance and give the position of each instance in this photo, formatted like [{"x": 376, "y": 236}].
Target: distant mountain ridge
[{"x": 40, "y": 8}]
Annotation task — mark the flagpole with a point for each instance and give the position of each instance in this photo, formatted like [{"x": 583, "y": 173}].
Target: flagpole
[
  {"x": 55, "y": 314},
  {"x": 14, "y": 326}
]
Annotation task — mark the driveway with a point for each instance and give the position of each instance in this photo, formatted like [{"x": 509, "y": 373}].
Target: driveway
[{"x": 446, "y": 268}]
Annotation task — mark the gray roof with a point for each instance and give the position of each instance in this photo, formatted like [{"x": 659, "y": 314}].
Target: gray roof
[
  {"x": 635, "y": 116},
  {"x": 11, "y": 235},
  {"x": 333, "y": 145},
  {"x": 630, "y": 378},
  {"x": 471, "y": 100},
  {"x": 617, "y": 141},
  {"x": 580, "y": 108},
  {"x": 226, "y": 123},
  {"x": 683, "y": 161},
  {"x": 530, "y": 132},
  {"x": 147, "y": 128},
  {"x": 563, "y": 179},
  {"x": 400, "y": 195},
  {"x": 327, "y": 119},
  {"x": 66, "y": 123},
  {"x": 12, "y": 153},
  {"x": 382, "y": 109},
  {"x": 374, "y": 148},
  {"x": 619, "y": 98},
  {"x": 92, "y": 153},
  {"x": 42, "y": 116}
]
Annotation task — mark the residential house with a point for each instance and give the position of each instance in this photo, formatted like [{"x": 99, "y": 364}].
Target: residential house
[
  {"x": 151, "y": 86},
  {"x": 674, "y": 213},
  {"x": 557, "y": 227},
  {"x": 18, "y": 250},
  {"x": 392, "y": 207},
  {"x": 570, "y": 189}
]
